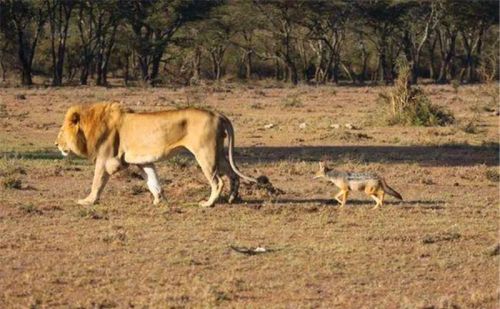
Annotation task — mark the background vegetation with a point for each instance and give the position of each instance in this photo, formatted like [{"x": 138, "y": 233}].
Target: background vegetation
[{"x": 183, "y": 42}]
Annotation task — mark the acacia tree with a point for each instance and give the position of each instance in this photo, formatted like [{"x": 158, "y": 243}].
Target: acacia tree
[
  {"x": 418, "y": 23},
  {"x": 244, "y": 26},
  {"x": 22, "y": 23},
  {"x": 154, "y": 24},
  {"x": 59, "y": 14},
  {"x": 216, "y": 37},
  {"x": 281, "y": 18},
  {"x": 6, "y": 51},
  {"x": 447, "y": 34},
  {"x": 326, "y": 22},
  {"x": 381, "y": 19},
  {"x": 473, "y": 21},
  {"x": 97, "y": 23}
]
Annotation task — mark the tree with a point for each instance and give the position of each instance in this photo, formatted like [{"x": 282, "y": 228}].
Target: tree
[
  {"x": 418, "y": 22},
  {"x": 473, "y": 20},
  {"x": 244, "y": 26},
  {"x": 154, "y": 23},
  {"x": 59, "y": 14},
  {"x": 281, "y": 18},
  {"x": 381, "y": 19},
  {"x": 97, "y": 24},
  {"x": 22, "y": 22},
  {"x": 326, "y": 22}
]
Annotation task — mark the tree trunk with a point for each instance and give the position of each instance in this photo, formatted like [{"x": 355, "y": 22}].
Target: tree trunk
[
  {"x": 196, "y": 65},
  {"x": 448, "y": 53},
  {"x": 277, "y": 70},
  {"x": 155, "y": 69},
  {"x": 335, "y": 72},
  {"x": 85, "y": 70},
  {"x": 364, "y": 69},
  {"x": 126, "y": 73},
  {"x": 292, "y": 74},
  {"x": 248, "y": 65},
  {"x": 432, "y": 66},
  {"x": 381, "y": 68},
  {"x": 2, "y": 65},
  {"x": 24, "y": 59}
]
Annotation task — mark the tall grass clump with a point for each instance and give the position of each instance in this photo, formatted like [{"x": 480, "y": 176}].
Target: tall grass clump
[{"x": 409, "y": 106}]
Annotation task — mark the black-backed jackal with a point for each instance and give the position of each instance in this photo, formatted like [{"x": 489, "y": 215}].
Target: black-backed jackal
[{"x": 372, "y": 184}]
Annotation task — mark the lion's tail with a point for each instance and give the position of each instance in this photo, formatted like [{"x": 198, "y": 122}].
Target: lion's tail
[{"x": 228, "y": 127}]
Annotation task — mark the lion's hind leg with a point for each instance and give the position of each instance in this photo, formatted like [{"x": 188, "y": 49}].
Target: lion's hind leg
[
  {"x": 211, "y": 172},
  {"x": 152, "y": 181},
  {"x": 234, "y": 180}
]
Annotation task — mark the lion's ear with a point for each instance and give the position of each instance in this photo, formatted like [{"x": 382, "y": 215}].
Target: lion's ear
[{"x": 75, "y": 118}]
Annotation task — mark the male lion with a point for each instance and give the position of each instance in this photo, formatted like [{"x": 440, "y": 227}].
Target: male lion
[{"x": 114, "y": 138}]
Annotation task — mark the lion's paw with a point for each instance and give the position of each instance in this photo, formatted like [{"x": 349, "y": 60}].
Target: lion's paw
[
  {"x": 85, "y": 202},
  {"x": 206, "y": 204}
]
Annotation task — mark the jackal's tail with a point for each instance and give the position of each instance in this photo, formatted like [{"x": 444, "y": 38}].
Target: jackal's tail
[{"x": 390, "y": 190}]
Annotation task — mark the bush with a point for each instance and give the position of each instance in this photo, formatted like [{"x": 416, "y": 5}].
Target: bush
[
  {"x": 292, "y": 102},
  {"x": 493, "y": 175},
  {"x": 12, "y": 183},
  {"x": 409, "y": 105}
]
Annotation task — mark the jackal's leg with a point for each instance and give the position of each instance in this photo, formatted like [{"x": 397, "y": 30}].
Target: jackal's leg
[
  {"x": 344, "y": 197},
  {"x": 342, "y": 201},
  {"x": 377, "y": 200},
  {"x": 381, "y": 195},
  {"x": 336, "y": 197}
]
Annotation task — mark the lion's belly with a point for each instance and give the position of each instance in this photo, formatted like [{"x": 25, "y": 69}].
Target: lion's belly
[
  {"x": 148, "y": 141},
  {"x": 145, "y": 151}
]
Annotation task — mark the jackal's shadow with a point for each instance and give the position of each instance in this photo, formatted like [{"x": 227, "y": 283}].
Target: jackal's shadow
[{"x": 351, "y": 202}]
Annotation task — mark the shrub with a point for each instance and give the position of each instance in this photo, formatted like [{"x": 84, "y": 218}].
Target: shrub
[
  {"x": 12, "y": 183},
  {"x": 291, "y": 102},
  {"x": 493, "y": 175},
  {"x": 455, "y": 84},
  {"x": 409, "y": 105}
]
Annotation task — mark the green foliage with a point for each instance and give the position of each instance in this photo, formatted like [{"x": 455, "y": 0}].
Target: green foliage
[{"x": 184, "y": 41}]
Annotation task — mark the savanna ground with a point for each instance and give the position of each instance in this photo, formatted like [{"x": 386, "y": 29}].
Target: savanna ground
[{"x": 439, "y": 248}]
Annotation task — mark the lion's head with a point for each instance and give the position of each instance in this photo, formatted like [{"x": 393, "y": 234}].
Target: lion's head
[
  {"x": 71, "y": 137},
  {"x": 84, "y": 129}
]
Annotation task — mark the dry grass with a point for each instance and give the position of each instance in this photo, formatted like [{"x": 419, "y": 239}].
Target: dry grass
[
  {"x": 409, "y": 105},
  {"x": 435, "y": 249}
]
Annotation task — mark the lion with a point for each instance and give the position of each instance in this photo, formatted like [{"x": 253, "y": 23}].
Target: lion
[{"x": 114, "y": 138}]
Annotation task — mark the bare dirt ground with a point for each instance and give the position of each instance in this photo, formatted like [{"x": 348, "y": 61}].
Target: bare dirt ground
[{"x": 439, "y": 248}]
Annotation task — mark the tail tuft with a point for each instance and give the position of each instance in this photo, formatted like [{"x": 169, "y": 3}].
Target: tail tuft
[
  {"x": 263, "y": 180},
  {"x": 264, "y": 183}
]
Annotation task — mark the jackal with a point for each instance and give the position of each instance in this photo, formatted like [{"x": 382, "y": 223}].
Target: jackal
[{"x": 372, "y": 184}]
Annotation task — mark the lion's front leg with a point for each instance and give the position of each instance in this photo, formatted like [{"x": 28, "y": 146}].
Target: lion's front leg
[
  {"x": 151, "y": 177},
  {"x": 101, "y": 177}
]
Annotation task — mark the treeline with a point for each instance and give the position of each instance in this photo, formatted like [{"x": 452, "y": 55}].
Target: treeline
[{"x": 187, "y": 41}]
